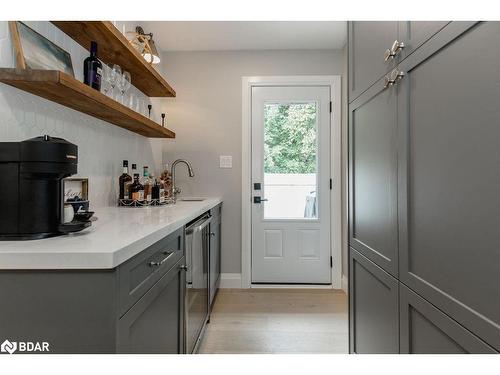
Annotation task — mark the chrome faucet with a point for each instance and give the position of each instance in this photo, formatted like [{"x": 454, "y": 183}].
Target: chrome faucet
[{"x": 176, "y": 190}]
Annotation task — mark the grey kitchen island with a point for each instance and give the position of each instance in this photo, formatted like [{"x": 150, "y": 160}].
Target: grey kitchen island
[{"x": 117, "y": 288}]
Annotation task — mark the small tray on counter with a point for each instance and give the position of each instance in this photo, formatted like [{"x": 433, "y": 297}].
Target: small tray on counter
[{"x": 136, "y": 203}]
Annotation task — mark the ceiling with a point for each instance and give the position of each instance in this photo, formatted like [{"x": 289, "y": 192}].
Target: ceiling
[{"x": 246, "y": 35}]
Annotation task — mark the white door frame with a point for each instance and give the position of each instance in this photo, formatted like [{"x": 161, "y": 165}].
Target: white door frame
[{"x": 334, "y": 82}]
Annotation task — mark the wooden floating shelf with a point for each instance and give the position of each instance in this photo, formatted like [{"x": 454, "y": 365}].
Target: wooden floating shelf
[
  {"x": 114, "y": 48},
  {"x": 61, "y": 88}
]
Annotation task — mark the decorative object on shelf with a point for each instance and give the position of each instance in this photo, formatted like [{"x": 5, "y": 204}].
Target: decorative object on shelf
[
  {"x": 150, "y": 107},
  {"x": 92, "y": 68},
  {"x": 34, "y": 51},
  {"x": 145, "y": 45},
  {"x": 163, "y": 119}
]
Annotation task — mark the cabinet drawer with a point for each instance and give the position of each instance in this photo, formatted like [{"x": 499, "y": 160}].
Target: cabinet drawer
[
  {"x": 373, "y": 308},
  {"x": 427, "y": 330},
  {"x": 141, "y": 272},
  {"x": 155, "y": 324}
]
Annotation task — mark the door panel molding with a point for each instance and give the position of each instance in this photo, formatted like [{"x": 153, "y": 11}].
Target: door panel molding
[
  {"x": 435, "y": 291},
  {"x": 385, "y": 256}
]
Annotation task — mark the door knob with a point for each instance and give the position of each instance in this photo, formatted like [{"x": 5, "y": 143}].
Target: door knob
[
  {"x": 396, "y": 48},
  {"x": 259, "y": 200}
]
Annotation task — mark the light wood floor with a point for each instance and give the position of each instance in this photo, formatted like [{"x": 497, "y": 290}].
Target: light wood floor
[{"x": 277, "y": 321}]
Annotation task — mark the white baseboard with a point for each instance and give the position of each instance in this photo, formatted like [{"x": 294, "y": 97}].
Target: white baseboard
[
  {"x": 230, "y": 281},
  {"x": 345, "y": 283}
]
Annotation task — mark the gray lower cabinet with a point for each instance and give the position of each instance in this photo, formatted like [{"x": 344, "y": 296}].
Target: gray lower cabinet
[
  {"x": 367, "y": 44},
  {"x": 373, "y": 174},
  {"x": 450, "y": 208},
  {"x": 373, "y": 308},
  {"x": 155, "y": 324},
  {"x": 427, "y": 330},
  {"x": 137, "y": 307},
  {"x": 215, "y": 251}
]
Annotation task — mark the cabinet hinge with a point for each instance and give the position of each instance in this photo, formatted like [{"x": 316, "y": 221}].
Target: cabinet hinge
[
  {"x": 331, "y": 262},
  {"x": 331, "y": 184},
  {"x": 331, "y": 107}
]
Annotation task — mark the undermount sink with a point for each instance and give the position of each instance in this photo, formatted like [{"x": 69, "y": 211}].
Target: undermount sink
[{"x": 192, "y": 199}]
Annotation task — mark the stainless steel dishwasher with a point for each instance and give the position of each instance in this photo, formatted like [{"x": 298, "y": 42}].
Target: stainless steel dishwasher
[{"x": 197, "y": 273}]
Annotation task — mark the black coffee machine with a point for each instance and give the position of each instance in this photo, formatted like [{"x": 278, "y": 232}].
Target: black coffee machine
[{"x": 31, "y": 187}]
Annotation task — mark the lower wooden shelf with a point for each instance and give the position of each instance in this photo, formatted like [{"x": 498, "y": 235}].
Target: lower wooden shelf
[{"x": 61, "y": 88}]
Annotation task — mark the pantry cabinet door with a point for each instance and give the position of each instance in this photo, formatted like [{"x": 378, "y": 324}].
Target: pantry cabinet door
[
  {"x": 449, "y": 182},
  {"x": 373, "y": 176},
  {"x": 367, "y": 44},
  {"x": 373, "y": 310},
  {"x": 414, "y": 33},
  {"x": 426, "y": 330}
]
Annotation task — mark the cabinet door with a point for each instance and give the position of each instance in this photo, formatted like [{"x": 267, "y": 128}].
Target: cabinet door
[
  {"x": 373, "y": 308},
  {"x": 414, "y": 33},
  {"x": 155, "y": 324},
  {"x": 367, "y": 44},
  {"x": 215, "y": 258},
  {"x": 373, "y": 176},
  {"x": 449, "y": 183},
  {"x": 426, "y": 330}
]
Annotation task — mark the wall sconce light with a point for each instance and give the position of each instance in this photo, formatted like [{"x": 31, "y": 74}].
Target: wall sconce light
[{"x": 145, "y": 44}]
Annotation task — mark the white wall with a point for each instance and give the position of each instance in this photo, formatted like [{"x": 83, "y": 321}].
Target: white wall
[
  {"x": 101, "y": 146},
  {"x": 206, "y": 115}
]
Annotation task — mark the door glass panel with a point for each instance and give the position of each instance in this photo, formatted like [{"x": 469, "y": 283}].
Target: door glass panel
[{"x": 290, "y": 161}]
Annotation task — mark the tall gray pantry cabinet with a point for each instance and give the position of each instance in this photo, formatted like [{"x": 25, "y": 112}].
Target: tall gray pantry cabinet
[{"x": 424, "y": 187}]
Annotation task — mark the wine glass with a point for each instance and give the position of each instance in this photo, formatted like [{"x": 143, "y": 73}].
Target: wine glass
[
  {"x": 106, "y": 86},
  {"x": 114, "y": 76},
  {"x": 123, "y": 85}
]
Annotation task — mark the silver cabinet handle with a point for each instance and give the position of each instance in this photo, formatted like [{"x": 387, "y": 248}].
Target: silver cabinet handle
[
  {"x": 158, "y": 264},
  {"x": 392, "y": 78},
  {"x": 183, "y": 267},
  {"x": 396, "y": 48},
  {"x": 212, "y": 234}
]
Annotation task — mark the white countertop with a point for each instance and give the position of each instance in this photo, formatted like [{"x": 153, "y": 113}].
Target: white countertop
[{"x": 117, "y": 235}]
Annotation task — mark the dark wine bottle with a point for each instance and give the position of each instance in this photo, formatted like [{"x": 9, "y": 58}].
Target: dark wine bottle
[
  {"x": 124, "y": 180},
  {"x": 92, "y": 68}
]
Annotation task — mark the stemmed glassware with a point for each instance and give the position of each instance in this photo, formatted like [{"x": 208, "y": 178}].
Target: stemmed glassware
[
  {"x": 114, "y": 76},
  {"x": 123, "y": 85}
]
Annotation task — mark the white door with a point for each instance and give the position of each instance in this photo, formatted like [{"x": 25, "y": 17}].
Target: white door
[{"x": 291, "y": 179}]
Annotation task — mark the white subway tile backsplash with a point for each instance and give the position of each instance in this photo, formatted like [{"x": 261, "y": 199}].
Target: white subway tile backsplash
[{"x": 101, "y": 146}]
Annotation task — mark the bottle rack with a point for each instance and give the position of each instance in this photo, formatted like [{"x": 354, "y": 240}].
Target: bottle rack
[{"x": 136, "y": 203}]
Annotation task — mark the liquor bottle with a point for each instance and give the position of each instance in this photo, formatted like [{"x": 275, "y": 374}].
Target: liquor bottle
[
  {"x": 128, "y": 185},
  {"x": 92, "y": 68},
  {"x": 124, "y": 179},
  {"x": 155, "y": 189},
  {"x": 136, "y": 189},
  {"x": 146, "y": 182},
  {"x": 166, "y": 179}
]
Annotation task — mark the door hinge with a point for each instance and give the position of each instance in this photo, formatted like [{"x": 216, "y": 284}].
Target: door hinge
[
  {"x": 331, "y": 184},
  {"x": 331, "y": 262},
  {"x": 331, "y": 107}
]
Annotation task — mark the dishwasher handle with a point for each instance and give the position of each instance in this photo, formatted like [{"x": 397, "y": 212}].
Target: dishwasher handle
[{"x": 199, "y": 227}]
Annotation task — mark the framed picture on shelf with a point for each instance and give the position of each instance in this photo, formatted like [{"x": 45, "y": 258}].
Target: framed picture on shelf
[{"x": 33, "y": 51}]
